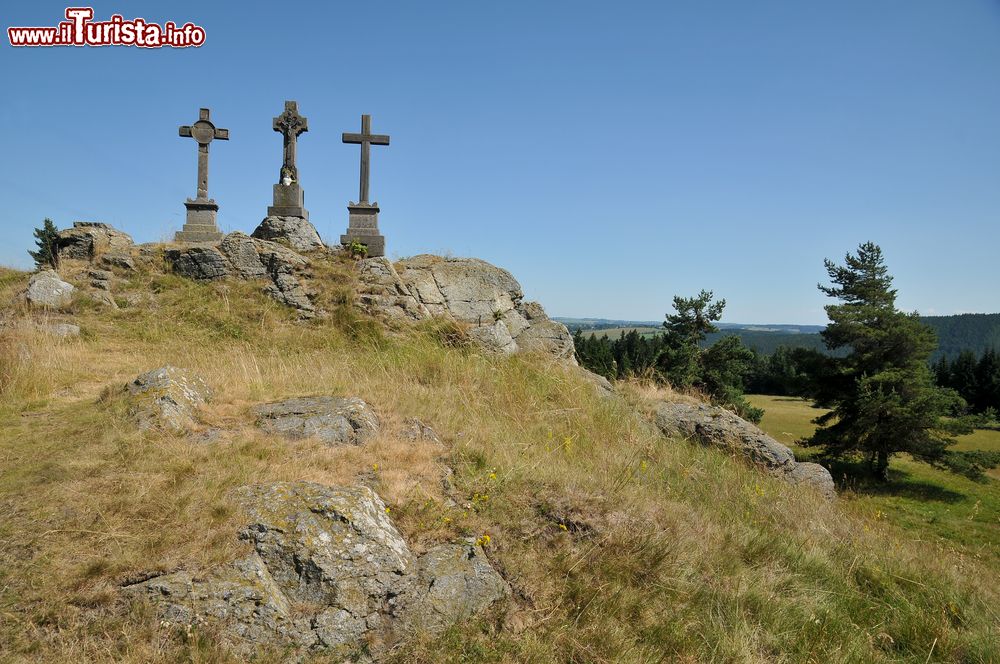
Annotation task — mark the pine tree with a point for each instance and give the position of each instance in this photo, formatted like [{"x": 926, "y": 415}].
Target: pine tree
[
  {"x": 881, "y": 395},
  {"x": 987, "y": 382},
  {"x": 685, "y": 330},
  {"x": 46, "y": 238},
  {"x": 963, "y": 375}
]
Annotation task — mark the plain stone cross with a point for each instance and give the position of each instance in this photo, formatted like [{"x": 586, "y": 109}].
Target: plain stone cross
[
  {"x": 365, "y": 138},
  {"x": 290, "y": 124},
  {"x": 204, "y": 132}
]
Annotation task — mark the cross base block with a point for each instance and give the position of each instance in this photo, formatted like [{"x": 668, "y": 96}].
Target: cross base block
[
  {"x": 362, "y": 226},
  {"x": 289, "y": 201},
  {"x": 200, "y": 225}
]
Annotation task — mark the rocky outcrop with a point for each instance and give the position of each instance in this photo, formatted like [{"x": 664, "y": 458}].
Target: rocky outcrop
[
  {"x": 239, "y": 255},
  {"x": 296, "y": 232},
  {"x": 719, "y": 427},
  {"x": 467, "y": 289},
  {"x": 381, "y": 291},
  {"x": 203, "y": 263},
  {"x": 166, "y": 398},
  {"x": 487, "y": 298},
  {"x": 333, "y": 420},
  {"x": 87, "y": 240},
  {"x": 329, "y": 573},
  {"x": 47, "y": 290}
]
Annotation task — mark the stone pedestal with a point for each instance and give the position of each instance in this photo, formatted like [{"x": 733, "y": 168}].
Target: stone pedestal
[
  {"x": 362, "y": 226},
  {"x": 200, "y": 225},
  {"x": 289, "y": 201}
]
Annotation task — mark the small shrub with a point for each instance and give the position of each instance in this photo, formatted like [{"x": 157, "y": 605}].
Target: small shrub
[{"x": 357, "y": 250}]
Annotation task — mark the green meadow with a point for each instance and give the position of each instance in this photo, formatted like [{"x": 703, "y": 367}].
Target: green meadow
[{"x": 928, "y": 503}]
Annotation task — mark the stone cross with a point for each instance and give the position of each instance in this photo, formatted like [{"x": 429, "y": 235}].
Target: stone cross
[
  {"x": 204, "y": 132},
  {"x": 365, "y": 138},
  {"x": 290, "y": 124}
]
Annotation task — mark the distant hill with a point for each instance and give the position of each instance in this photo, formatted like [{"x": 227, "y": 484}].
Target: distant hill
[{"x": 975, "y": 332}]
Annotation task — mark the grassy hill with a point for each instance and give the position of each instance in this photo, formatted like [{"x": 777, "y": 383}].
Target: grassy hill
[{"x": 620, "y": 545}]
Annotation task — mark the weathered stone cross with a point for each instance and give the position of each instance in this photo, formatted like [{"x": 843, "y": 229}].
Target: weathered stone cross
[
  {"x": 290, "y": 124},
  {"x": 204, "y": 132},
  {"x": 365, "y": 138}
]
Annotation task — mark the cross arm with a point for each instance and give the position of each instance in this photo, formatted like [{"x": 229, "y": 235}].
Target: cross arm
[
  {"x": 374, "y": 139},
  {"x": 184, "y": 131},
  {"x": 221, "y": 134}
]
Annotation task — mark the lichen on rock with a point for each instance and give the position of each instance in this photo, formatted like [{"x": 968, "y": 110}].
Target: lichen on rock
[
  {"x": 166, "y": 398},
  {"x": 333, "y": 420},
  {"x": 329, "y": 572},
  {"x": 47, "y": 290}
]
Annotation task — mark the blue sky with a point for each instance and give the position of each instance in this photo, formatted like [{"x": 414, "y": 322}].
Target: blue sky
[{"x": 610, "y": 155}]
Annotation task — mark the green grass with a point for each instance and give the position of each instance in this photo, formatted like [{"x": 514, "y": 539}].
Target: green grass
[{"x": 925, "y": 502}]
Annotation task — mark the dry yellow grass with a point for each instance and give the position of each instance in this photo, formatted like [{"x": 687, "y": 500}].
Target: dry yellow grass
[{"x": 621, "y": 546}]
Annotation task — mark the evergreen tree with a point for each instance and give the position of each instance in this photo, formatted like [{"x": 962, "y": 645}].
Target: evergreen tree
[
  {"x": 942, "y": 372},
  {"x": 725, "y": 366},
  {"x": 881, "y": 395},
  {"x": 686, "y": 329},
  {"x": 46, "y": 238},
  {"x": 987, "y": 382},
  {"x": 962, "y": 375}
]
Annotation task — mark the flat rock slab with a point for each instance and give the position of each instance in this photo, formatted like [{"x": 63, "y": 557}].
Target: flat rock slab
[
  {"x": 166, "y": 397},
  {"x": 329, "y": 573},
  {"x": 47, "y": 290},
  {"x": 333, "y": 420},
  {"x": 719, "y": 427}
]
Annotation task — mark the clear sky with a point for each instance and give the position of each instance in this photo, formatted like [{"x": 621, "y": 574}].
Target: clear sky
[{"x": 609, "y": 154}]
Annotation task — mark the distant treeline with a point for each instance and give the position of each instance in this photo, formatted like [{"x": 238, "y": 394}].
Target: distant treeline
[
  {"x": 786, "y": 371},
  {"x": 977, "y": 380},
  {"x": 965, "y": 332},
  {"x": 766, "y": 343},
  {"x": 793, "y": 372}
]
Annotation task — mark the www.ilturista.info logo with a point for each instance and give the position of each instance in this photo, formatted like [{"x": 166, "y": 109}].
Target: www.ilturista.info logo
[{"x": 80, "y": 30}]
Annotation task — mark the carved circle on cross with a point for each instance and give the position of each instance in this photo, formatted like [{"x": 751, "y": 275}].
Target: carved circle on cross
[
  {"x": 291, "y": 124},
  {"x": 203, "y": 131}
]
